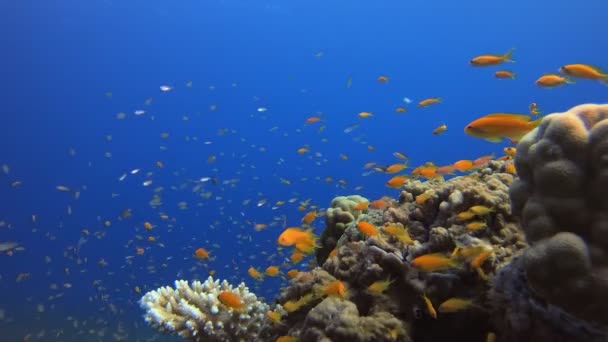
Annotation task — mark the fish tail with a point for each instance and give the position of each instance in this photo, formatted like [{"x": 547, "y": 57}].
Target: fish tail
[
  {"x": 570, "y": 81},
  {"x": 536, "y": 122},
  {"x": 507, "y": 56},
  {"x": 604, "y": 79}
]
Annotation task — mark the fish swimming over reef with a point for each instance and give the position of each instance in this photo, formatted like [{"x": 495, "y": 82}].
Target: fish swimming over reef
[{"x": 494, "y": 127}]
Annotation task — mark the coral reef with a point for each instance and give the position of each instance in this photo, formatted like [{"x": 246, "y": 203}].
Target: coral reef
[
  {"x": 431, "y": 212},
  {"x": 449, "y": 260},
  {"x": 196, "y": 312},
  {"x": 563, "y": 169}
]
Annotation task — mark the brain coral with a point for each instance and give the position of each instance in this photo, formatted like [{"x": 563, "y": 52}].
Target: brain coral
[{"x": 562, "y": 199}]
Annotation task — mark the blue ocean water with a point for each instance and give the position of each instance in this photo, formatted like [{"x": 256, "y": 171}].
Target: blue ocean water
[{"x": 258, "y": 70}]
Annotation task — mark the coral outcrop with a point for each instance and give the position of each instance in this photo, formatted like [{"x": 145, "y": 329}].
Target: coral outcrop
[
  {"x": 195, "y": 313},
  {"x": 382, "y": 283},
  {"x": 561, "y": 197}
]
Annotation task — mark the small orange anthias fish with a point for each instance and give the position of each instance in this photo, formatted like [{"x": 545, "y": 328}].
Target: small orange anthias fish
[
  {"x": 335, "y": 288},
  {"x": 304, "y": 240},
  {"x": 394, "y": 168},
  {"x": 309, "y": 217},
  {"x": 397, "y": 181},
  {"x": 487, "y": 60},
  {"x": 552, "y": 80},
  {"x": 584, "y": 71},
  {"x": 442, "y": 128},
  {"x": 201, "y": 253},
  {"x": 504, "y": 74},
  {"x": 429, "y": 101},
  {"x": 382, "y": 79},
  {"x": 495, "y": 127},
  {"x": 255, "y": 274},
  {"x": 367, "y": 228},
  {"x": 312, "y": 120},
  {"x": 534, "y": 109},
  {"x": 231, "y": 300},
  {"x": 434, "y": 262}
]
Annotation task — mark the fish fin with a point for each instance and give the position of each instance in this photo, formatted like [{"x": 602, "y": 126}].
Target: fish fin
[
  {"x": 494, "y": 139},
  {"x": 507, "y": 56},
  {"x": 523, "y": 117}
]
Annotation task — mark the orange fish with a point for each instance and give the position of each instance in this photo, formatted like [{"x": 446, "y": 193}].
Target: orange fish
[
  {"x": 201, "y": 253},
  {"x": 272, "y": 271},
  {"x": 400, "y": 155},
  {"x": 255, "y": 274},
  {"x": 335, "y": 288},
  {"x": 382, "y": 79},
  {"x": 304, "y": 240},
  {"x": 395, "y": 168},
  {"x": 584, "y": 71},
  {"x": 429, "y": 101},
  {"x": 445, "y": 170},
  {"x": 147, "y": 225},
  {"x": 367, "y": 228},
  {"x": 309, "y": 217},
  {"x": 495, "y": 127},
  {"x": 312, "y": 120},
  {"x": 486, "y": 60},
  {"x": 296, "y": 256},
  {"x": 510, "y": 168},
  {"x": 510, "y": 151},
  {"x": 363, "y": 206},
  {"x": 396, "y": 182},
  {"x": 429, "y": 306},
  {"x": 454, "y": 305},
  {"x": 534, "y": 109},
  {"x": 379, "y": 204},
  {"x": 231, "y": 300},
  {"x": 302, "y": 150},
  {"x": 259, "y": 226},
  {"x": 400, "y": 110},
  {"x": 292, "y": 273},
  {"x": 483, "y": 160},
  {"x": 463, "y": 165},
  {"x": 442, "y": 128},
  {"x": 428, "y": 171},
  {"x": 365, "y": 115},
  {"x": 552, "y": 80},
  {"x": 434, "y": 262},
  {"x": 504, "y": 74}
]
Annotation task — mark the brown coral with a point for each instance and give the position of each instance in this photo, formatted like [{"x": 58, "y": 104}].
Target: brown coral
[{"x": 563, "y": 168}]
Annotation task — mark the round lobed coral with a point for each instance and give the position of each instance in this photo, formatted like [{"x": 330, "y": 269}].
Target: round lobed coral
[
  {"x": 195, "y": 312},
  {"x": 340, "y": 213},
  {"x": 563, "y": 169}
]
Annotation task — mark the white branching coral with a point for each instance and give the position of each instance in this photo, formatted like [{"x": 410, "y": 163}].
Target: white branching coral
[{"x": 195, "y": 313}]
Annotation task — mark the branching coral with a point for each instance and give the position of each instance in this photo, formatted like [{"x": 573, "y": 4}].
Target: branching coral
[{"x": 195, "y": 312}]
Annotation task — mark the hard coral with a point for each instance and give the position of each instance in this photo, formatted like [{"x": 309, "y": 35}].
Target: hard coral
[
  {"x": 563, "y": 169},
  {"x": 336, "y": 319},
  {"x": 340, "y": 213},
  {"x": 195, "y": 313}
]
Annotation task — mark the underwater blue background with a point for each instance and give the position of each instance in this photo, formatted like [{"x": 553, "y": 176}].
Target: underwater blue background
[{"x": 61, "y": 58}]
